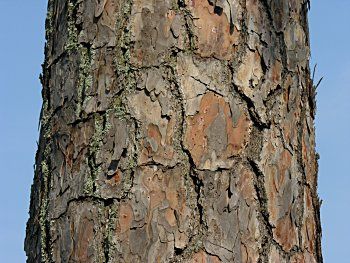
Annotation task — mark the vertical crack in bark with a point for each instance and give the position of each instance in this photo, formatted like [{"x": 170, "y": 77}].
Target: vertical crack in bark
[
  {"x": 254, "y": 116},
  {"x": 268, "y": 239},
  {"x": 197, "y": 182},
  {"x": 263, "y": 211},
  {"x": 108, "y": 204},
  {"x": 189, "y": 29}
]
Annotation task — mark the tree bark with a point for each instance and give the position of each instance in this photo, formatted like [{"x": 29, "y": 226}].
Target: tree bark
[{"x": 176, "y": 131}]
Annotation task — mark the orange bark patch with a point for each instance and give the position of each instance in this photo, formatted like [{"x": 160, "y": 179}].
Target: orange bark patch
[
  {"x": 171, "y": 195},
  {"x": 285, "y": 232},
  {"x": 116, "y": 178},
  {"x": 170, "y": 217},
  {"x": 212, "y": 31},
  {"x": 276, "y": 71},
  {"x": 281, "y": 195},
  {"x": 153, "y": 138},
  {"x": 125, "y": 217},
  {"x": 211, "y": 136}
]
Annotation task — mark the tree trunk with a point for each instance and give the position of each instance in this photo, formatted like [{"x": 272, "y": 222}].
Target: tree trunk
[{"x": 176, "y": 131}]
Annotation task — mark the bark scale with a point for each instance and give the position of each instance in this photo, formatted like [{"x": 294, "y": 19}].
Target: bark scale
[{"x": 176, "y": 131}]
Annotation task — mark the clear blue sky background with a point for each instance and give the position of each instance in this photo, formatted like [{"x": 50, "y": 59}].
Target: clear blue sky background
[{"x": 21, "y": 54}]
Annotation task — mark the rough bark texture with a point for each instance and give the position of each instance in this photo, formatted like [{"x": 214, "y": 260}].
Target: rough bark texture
[{"x": 176, "y": 131}]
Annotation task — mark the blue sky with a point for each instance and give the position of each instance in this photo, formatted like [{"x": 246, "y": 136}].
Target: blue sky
[
  {"x": 330, "y": 36},
  {"x": 21, "y": 55}
]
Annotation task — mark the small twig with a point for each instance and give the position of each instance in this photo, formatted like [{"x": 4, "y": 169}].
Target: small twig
[
  {"x": 313, "y": 73},
  {"x": 318, "y": 83}
]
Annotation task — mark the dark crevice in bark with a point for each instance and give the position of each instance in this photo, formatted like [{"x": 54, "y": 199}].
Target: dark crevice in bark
[
  {"x": 178, "y": 251},
  {"x": 194, "y": 176},
  {"x": 304, "y": 19},
  {"x": 285, "y": 145},
  {"x": 189, "y": 30},
  {"x": 267, "y": 237},
  {"x": 267, "y": 8},
  {"x": 106, "y": 248},
  {"x": 181, "y": 3},
  {"x": 272, "y": 95},
  {"x": 192, "y": 173},
  {"x": 86, "y": 118},
  {"x": 261, "y": 125},
  {"x": 218, "y": 10},
  {"x": 106, "y": 202},
  {"x": 93, "y": 167},
  {"x": 198, "y": 185}
]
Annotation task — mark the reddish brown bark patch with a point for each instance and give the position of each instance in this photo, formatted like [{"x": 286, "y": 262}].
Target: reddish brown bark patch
[
  {"x": 211, "y": 136},
  {"x": 281, "y": 189},
  {"x": 285, "y": 232},
  {"x": 212, "y": 30},
  {"x": 280, "y": 205},
  {"x": 115, "y": 179},
  {"x": 125, "y": 219}
]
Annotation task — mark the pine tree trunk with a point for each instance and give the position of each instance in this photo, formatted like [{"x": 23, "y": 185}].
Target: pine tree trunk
[{"x": 176, "y": 131}]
